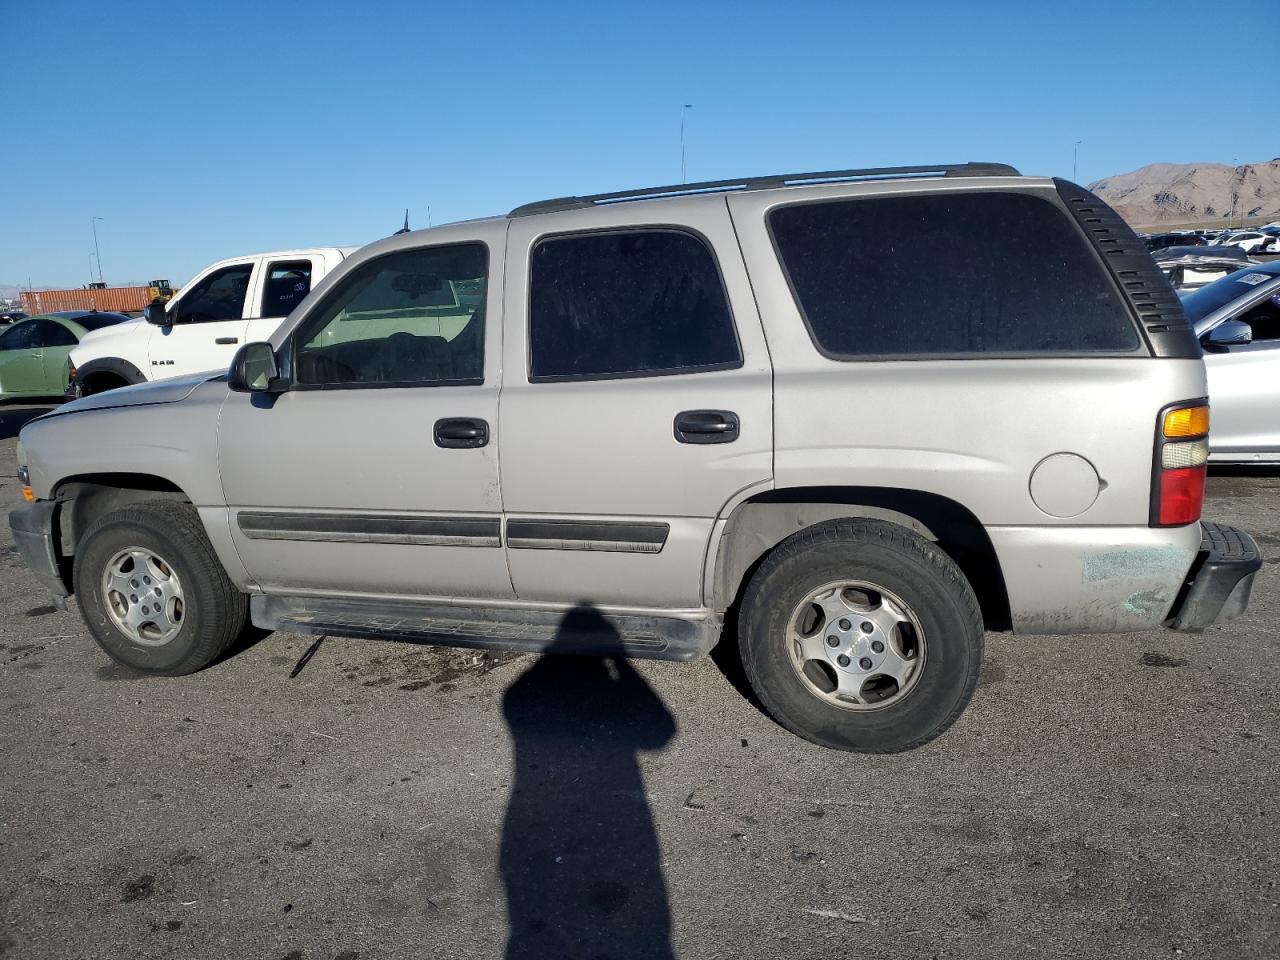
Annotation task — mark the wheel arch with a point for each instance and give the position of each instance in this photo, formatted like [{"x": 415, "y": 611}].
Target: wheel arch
[
  {"x": 105, "y": 369},
  {"x": 763, "y": 520},
  {"x": 85, "y": 497}
]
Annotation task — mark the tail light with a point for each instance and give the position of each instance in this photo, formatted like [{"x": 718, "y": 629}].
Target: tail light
[{"x": 1181, "y": 460}]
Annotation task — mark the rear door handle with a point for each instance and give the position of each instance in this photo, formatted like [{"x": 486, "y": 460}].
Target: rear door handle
[
  {"x": 225, "y": 340},
  {"x": 461, "y": 433},
  {"x": 706, "y": 426}
]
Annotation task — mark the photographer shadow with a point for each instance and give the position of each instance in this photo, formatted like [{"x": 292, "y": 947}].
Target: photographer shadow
[{"x": 580, "y": 858}]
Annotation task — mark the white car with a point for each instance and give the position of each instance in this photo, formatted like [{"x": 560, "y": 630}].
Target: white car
[
  {"x": 1250, "y": 241},
  {"x": 1237, "y": 320},
  {"x": 227, "y": 304}
]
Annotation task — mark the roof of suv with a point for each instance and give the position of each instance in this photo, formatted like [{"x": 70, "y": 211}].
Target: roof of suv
[{"x": 773, "y": 182}]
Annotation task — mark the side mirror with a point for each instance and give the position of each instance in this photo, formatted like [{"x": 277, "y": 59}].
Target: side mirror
[
  {"x": 254, "y": 370},
  {"x": 1229, "y": 333},
  {"x": 157, "y": 314}
]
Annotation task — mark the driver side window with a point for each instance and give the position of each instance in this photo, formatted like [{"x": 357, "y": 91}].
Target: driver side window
[
  {"x": 21, "y": 336},
  {"x": 1264, "y": 319},
  {"x": 219, "y": 296},
  {"x": 415, "y": 317}
]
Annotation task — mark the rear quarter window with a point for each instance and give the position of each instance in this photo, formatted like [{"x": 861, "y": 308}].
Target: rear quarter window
[{"x": 948, "y": 275}]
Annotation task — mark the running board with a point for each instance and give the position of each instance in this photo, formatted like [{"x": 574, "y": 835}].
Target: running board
[{"x": 580, "y": 630}]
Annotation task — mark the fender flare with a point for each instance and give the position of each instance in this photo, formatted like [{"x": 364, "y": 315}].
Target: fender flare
[{"x": 114, "y": 366}]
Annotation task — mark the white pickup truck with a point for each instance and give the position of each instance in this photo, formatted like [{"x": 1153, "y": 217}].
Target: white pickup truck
[{"x": 227, "y": 304}]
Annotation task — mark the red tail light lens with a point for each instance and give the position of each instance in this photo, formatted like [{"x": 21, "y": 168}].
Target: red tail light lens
[
  {"x": 1181, "y": 496},
  {"x": 1181, "y": 462}
]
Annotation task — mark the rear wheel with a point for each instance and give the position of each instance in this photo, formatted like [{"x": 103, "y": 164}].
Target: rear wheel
[
  {"x": 152, "y": 591},
  {"x": 860, "y": 635}
]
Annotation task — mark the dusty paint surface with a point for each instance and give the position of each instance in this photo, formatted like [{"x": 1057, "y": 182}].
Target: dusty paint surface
[{"x": 1142, "y": 563}]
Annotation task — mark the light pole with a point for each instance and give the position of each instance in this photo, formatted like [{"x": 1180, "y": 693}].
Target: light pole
[
  {"x": 91, "y": 256},
  {"x": 685, "y": 107},
  {"x": 93, "y": 222},
  {"x": 1075, "y": 159}
]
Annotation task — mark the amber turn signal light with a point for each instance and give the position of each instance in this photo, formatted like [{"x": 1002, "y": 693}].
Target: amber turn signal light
[{"x": 1187, "y": 422}]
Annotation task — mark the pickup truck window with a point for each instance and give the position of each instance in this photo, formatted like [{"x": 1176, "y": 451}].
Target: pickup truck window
[
  {"x": 410, "y": 318},
  {"x": 637, "y": 303},
  {"x": 219, "y": 296},
  {"x": 948, "y": 275},
  {"x": 287, "y": 282}
]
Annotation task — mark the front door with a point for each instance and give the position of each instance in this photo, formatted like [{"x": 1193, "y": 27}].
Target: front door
[
  {"x": 22, "y": 359},
  {"x": 376, "y": 474},
  {"x": 636, "y": 401},
  {"x": 1244, "y": 387},
  {"x": 208, "y": 324}
]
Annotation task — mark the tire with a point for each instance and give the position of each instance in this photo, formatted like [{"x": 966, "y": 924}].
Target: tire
[
  {"x": 941, "y": 622},
  {"x": 209, "y": 614}
]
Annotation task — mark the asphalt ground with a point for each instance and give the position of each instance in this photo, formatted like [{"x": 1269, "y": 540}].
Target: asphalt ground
[{"x": 1103, "y": 796}]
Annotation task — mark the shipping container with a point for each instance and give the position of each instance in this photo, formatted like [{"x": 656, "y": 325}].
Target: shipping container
[{"x": 116, "y": 299}]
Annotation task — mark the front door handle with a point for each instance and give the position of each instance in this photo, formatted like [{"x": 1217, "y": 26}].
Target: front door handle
[
  {"x": 226, "y": 340},
  {"x": 461, "y": 433},
  {"x": 706, "y": 426}
]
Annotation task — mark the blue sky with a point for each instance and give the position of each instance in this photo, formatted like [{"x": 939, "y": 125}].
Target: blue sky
[{"x": 204, "y": 130}]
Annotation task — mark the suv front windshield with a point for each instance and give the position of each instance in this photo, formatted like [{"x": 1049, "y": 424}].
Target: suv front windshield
[{"x": 1213, "y": 296}]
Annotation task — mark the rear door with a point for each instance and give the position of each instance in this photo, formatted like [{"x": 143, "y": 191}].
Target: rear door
[
  {"x": 376, "y": 475},
  {"x": 635, "y": 403},
  {"x": 282, "y": 284},
  {"x": 208, "y": 323},
  {"x": 57, "y": 341}
]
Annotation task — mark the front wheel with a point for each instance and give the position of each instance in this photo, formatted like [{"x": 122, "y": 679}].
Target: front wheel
[
  {"x": 860, "y": 635},
  {"x": 152, "y": 591}
]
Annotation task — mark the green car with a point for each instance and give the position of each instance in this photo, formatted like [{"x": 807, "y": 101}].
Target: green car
[{"x": 35, "y": 353}]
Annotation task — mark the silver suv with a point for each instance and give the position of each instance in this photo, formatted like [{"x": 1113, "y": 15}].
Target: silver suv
[{"x": 619, "y": 423}]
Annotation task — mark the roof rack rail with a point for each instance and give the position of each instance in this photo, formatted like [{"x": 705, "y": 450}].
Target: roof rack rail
[{"x": 766, "y": 183}]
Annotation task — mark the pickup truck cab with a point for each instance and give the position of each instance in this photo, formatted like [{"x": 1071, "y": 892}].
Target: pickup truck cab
[
  {"x": 635, "y": 424},
  {"x": 227, "y": 304}
]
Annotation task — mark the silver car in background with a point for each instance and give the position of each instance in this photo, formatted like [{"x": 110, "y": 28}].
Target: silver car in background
[{"x": 1237, "y": 320}]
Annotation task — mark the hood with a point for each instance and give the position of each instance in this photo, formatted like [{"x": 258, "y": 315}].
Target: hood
[
  {"x": 158, "y": 391},
  {"x": 129, "y": 329}
]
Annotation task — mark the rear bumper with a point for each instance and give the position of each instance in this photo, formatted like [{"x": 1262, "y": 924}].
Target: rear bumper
[
  {"x": 1220, "y": 581},
  {"x": 33, "y": 535}
]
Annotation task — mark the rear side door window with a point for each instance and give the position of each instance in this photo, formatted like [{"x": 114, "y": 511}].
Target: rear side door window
[
  {"x": 628, "y": 303},
  {"x": 948, "y": 275},
  {"x": 219, "y": 296},
  {"x": 55, "y": 335},
  {"x": 285, "y": 283}
]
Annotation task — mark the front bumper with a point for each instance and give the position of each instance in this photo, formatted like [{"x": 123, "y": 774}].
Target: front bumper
[
  {"x": 1220, "y": 581},
  {"x": 32, "y": 527}
]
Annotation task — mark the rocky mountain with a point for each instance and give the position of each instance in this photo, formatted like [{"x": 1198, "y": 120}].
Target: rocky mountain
[{"x": 1213, "y": 193}]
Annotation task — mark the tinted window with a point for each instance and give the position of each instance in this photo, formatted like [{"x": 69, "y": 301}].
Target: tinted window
[
  {"x": 21, "y": 336},
  {"x": 948, "y": 275},
  {"x": 285, "y": 286},
  {"x": 219, "y": 296},
  {"x": 410, "y": 317},
  {"x": 639, "y": 303},
  {"x": 53, "y": 334}
]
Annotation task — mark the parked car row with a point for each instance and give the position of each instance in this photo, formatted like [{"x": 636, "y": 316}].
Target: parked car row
[
  {"x": 1263, "y": 240},
  {"x": 631, "y": 423}
]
